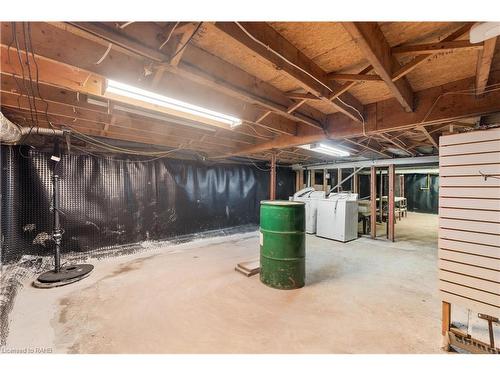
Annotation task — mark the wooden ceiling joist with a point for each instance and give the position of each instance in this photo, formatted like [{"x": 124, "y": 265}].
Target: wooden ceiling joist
[
  {"x": 131, "y": 70},
  {"x": 431, "y": 138},
  {"x": 73, "y": 61},
  {"x": 204, "y": 68},
  {"x": 376, "y": 49},
  {"x": 354, "y": 77},
  {"x": 451, "y": 107},
  {"x": 281, "y": 53},
  {"x": 484, "y": 61},
  {"x": 419, "y": 59},
  {"x": 444, "y": 46},
  {"x": 398, "y": 145},
  {"x": 368, "y": 147}
]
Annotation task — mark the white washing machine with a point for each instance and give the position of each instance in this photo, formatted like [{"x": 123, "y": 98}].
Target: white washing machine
[
  {"x": 337, "y": 217},
  {"x": 310, "y": 197}
]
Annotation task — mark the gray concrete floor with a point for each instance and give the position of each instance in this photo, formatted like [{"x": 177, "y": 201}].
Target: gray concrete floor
[{"x": 364, "y": 296}]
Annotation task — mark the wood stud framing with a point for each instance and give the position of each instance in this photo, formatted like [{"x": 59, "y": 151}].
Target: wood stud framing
[
  {"x": 373, "y": 202},
  {"x": 390, "y": 198},
  {"x": 273, "y": 119}
]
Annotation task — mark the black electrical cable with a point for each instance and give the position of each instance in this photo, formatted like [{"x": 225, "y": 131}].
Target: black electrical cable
[
  {"x": 18, "y": 50},
  {"x": 187, "y": 42},
  {"x": 31, "y": 83},
  {"x": 38, "y": 80},
  {"x": 32, "y": 124}
]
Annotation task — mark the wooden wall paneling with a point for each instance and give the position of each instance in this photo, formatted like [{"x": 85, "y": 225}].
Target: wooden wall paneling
[
  {"x": 469, "y": 220},
  {"x": 488, "y": 251}
]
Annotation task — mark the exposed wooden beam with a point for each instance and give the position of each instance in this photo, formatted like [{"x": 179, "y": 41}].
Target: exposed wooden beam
[
  {"x": 113, "y": 126},
  {"x": 424, "y": 49},
  {"x": 100, "y": 30},
  {"x": 430, "y": 137},
  {"x": 452, "y": 107},
  {"x": 419, "y": 59},
  {"x": 181, "y": 46},
  {"x": 204, "y": 68},
  {"x": 484, "y": 61},
  {"x": 121, "y": 133},
  {"x": 271, "y": 45},
  {"x": 68, "y": 103},
  {"x": 398, "y": 145},
  {"x": 354, "y": 77},
  {"x": 369, "y": 148},
  {"x": 377, "y": 51},
  {"x": 348, "y": 85},
  {"x": 62, "y": 75},
  {"x": 298, "y": 95}
]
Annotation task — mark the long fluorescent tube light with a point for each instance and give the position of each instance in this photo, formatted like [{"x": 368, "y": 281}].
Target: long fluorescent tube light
[
  {"x": 177, "y": 107},
  {"x": 325, "y": 149}
]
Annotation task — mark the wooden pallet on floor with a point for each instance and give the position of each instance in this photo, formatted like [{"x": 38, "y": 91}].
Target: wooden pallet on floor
[{"x": 248, "y": 268}]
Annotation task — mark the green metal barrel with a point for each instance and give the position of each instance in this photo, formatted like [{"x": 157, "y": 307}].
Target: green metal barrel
[{"x": 282, "y": 244}]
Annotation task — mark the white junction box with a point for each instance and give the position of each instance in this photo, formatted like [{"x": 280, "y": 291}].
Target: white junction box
[
  {"x": 310, "y": 197},
  {"x": 337, "y": 217}
]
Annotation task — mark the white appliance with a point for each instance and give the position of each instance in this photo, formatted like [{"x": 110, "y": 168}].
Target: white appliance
[
  {"x": 337, "y": 217},
  {"x": 310, "y": 197}
]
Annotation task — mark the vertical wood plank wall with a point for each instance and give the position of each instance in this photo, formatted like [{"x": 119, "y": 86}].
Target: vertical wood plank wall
[{"x": 469, "y": 220}]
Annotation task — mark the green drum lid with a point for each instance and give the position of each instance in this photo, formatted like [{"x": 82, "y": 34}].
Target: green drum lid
[{"x": 282, "y": 216}]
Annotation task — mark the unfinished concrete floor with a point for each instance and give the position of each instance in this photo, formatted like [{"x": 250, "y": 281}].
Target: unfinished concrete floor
[{"x": 364, "y": 296}]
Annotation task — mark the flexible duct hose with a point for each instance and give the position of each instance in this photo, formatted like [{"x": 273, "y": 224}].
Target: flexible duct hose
[{"x": 11, "y": 133}]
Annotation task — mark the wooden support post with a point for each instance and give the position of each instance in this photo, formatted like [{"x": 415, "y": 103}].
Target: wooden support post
[
  {"x": 373, "y": 202},
  {"x": 355, "y": 183},
  {"x": 313, "y": 177},
  {"x": 446, "y": 318},
  {"x": 339, "y": 177},
  {"x": 272, "y": 179},
  {"x": 325, "y": 180},
  {"x": 298, "y": 175},
  {"x": 390, "y": 198},
  {"x": 380, "y": 194}
]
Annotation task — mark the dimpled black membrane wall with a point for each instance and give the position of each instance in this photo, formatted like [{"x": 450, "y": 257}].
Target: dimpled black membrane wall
[{"x": 106, "y": 202}]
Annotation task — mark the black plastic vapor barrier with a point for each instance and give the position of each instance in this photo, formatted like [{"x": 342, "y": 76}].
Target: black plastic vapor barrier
[
  {"x": 422, "y": 193},
  {"x": 106, "y": 202}
]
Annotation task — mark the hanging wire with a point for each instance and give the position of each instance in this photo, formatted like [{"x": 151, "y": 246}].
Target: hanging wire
[
  {"x": 187, "y": 42},
  {"x": 169, "y": 35}
]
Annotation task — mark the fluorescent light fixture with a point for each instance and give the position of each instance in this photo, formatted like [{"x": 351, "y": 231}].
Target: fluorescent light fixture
[
  {"x": 165, "y": 104},
  {"x": 325, "y": 149}
]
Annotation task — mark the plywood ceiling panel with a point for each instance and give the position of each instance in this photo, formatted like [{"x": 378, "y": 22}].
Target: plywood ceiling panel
[
  {"x": 326, "y": 43},
  {"x": 370, "y": 92},
  {"x": 442, "y": 68},
  {"x": 219, "y": 44},
  {"x": 416, "y": 32}
]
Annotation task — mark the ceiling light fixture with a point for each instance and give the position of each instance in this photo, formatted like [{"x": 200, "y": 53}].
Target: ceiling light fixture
[
  {"x": 136, "y": 96},
  {"x": 325, "y": 149}
]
